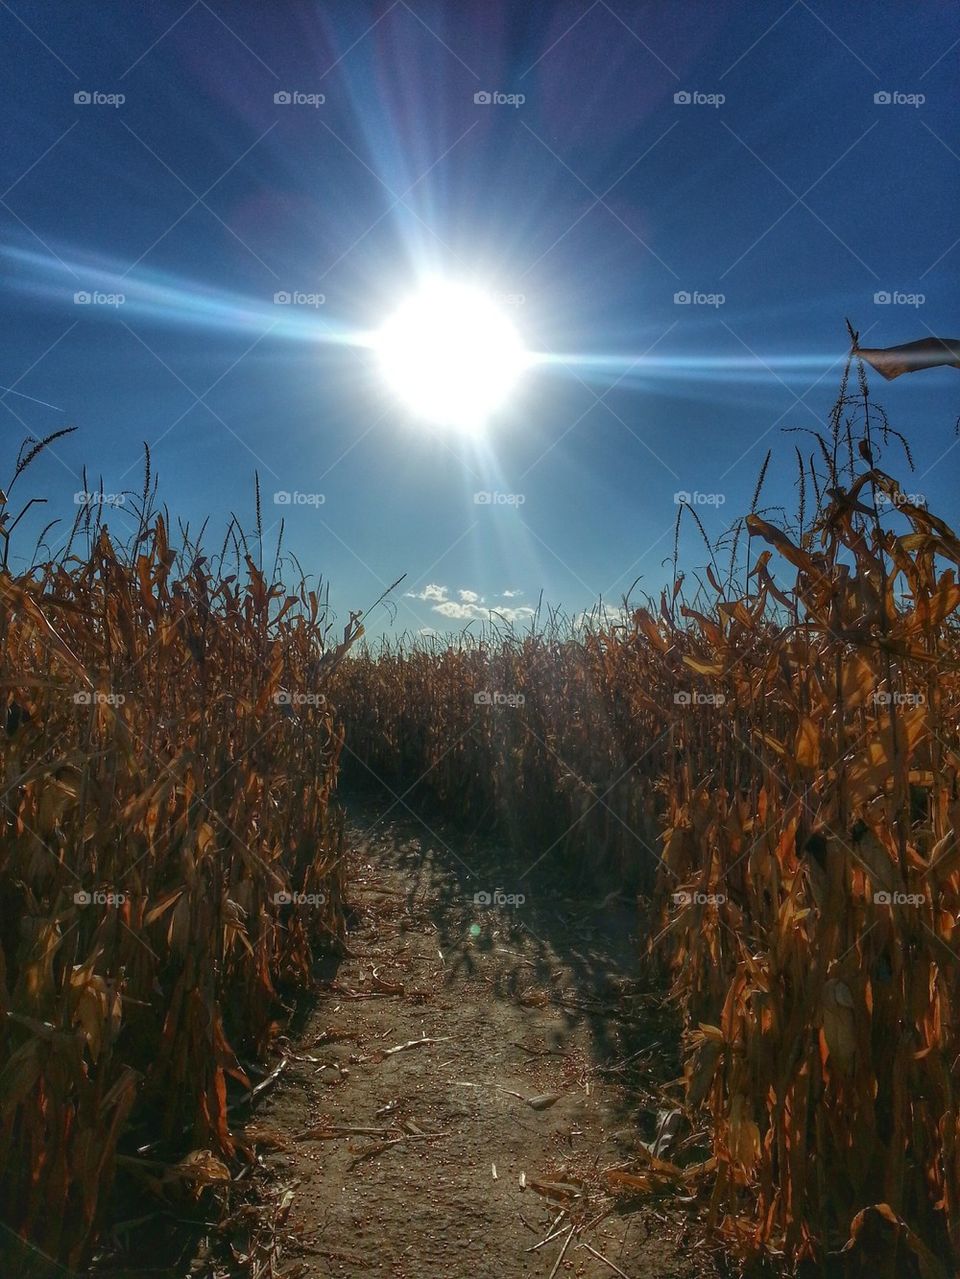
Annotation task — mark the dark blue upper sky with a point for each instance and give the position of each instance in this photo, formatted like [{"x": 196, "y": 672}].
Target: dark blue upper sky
[{"x": 783, "y": 186}]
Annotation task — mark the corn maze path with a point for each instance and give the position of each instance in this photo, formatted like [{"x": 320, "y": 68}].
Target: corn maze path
[{"x": 455, "y": 1095}]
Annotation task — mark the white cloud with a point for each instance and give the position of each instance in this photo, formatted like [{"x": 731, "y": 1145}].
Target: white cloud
[
  {"x": 431, "y": 592},
  {"x": 470, "y": 606},
  {"x": 461, "y": 611},
  {"x": 481, "y": 613}
]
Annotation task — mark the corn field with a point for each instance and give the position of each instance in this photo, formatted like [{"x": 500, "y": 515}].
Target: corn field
[
  {"x": 166, "y": 807},
  {"x": 770, "y": 759},
  {"x": 773, "y": 761}
]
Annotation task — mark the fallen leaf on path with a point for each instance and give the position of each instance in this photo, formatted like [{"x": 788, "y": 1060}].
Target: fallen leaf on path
[
  {"x": 657, "y": 1175},
  {"x": 559, "y": 1190},
  {"x": 262, "y": 1135},
  {"x": 642, "y": 1182},
  {"x": 283, "y": 1208},
  {"x": 543, "y": 1101}
]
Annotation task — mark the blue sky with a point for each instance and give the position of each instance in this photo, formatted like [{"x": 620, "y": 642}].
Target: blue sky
[{"x": 732, "y": 152}]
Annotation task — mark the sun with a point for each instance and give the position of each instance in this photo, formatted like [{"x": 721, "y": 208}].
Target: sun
[{"x": 450, "y": 355}]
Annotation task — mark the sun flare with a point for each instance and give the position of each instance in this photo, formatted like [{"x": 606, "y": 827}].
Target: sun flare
[{"x": 450, "y": 355}]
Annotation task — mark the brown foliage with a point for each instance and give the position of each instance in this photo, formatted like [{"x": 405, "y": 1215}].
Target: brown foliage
[
  {"x": 778, "y": 763},
  {"x": 163, "y": 791}
]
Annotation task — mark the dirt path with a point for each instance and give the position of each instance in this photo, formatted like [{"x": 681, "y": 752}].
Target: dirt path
[{"x": 430, "y": 1160}]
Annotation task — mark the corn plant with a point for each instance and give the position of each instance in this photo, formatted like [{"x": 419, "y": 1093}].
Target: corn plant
[
  {"x": 168, "y": 853},
  {"x": 774, "y": 762}
]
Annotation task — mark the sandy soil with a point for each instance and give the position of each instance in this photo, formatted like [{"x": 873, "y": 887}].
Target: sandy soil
[{"x": 455, "y": 1097}]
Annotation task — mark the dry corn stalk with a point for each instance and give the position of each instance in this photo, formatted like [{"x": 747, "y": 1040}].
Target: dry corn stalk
[
  {"x": 792, "y": 733},
  {"x": 167, "y": 855}
]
